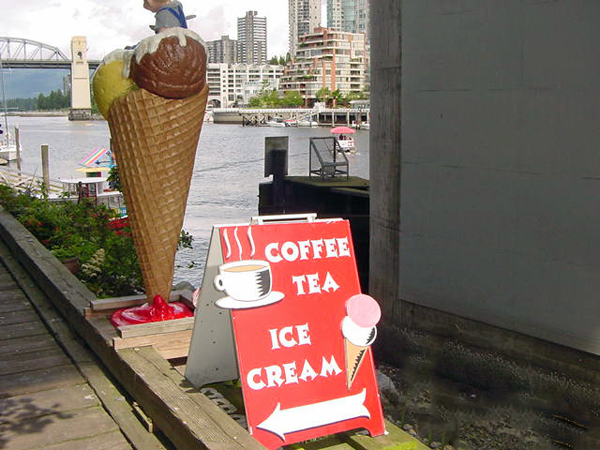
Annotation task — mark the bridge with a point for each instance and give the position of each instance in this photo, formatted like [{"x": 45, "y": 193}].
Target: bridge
[{"x": 19, "y": 53}]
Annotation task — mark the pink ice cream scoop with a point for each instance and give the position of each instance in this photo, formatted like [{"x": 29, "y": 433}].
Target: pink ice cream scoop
[{"x": 363, "y": 310}]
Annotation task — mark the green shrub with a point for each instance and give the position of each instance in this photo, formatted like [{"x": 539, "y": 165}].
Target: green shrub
[{"x": 109, "y": 265}]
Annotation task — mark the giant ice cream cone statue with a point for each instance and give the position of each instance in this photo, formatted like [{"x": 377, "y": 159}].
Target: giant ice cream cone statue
[
  {"x": 358, "y": 328},
  {"x": 154, "y": 99}
]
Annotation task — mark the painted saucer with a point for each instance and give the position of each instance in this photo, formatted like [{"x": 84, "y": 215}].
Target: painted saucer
[{"x": 231, "y": 303}]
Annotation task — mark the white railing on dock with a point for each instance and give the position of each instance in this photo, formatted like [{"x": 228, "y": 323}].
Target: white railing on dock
[{"x": 26, "y": 182}]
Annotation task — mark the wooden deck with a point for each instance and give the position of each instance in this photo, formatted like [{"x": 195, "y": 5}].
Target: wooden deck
[
  {"x": 48, "y": 380},
  {"x": 164, "y": 399}
]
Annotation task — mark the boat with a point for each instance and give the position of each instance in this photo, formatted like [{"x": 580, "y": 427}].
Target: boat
[
  {"x": 100, "y": 157},
  {"x": 361, "y": 125},
  {"x": 8, "y": 150},
  {"x": 276, "y": 122},
  {"x": 345, "y": 141},
  {"x": 307, "y": 123},
  {"x": 95, "y": 184},
  {"x": 92, "y": 187}
]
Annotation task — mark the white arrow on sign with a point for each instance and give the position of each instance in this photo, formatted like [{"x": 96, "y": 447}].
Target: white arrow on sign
[{"x": 284, "y": 421}]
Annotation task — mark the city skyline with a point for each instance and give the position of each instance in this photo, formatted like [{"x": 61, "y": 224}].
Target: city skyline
[{"x": 114, "y": 24}]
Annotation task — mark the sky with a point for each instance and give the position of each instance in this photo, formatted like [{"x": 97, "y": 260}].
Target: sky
[{"x": 113, "y": 24}]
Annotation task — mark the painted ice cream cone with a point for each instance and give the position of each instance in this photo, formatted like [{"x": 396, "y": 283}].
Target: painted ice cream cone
[
  {"x": 359, "y": 331},
  {"x": 355, "y": 354},
  {"x": 154, "y": 99}
]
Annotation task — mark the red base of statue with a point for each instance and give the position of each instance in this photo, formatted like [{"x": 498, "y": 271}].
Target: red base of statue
[{"x": 158, "y": 311}]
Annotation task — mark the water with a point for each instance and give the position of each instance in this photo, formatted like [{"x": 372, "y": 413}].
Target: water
[{"x": 229, "y": 167}]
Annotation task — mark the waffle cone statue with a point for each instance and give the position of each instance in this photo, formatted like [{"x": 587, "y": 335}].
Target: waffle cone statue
[{"x": 154, "y": 99}]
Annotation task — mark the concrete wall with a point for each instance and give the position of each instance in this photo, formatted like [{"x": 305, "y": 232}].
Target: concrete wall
[{"x": 486, "y": 163}]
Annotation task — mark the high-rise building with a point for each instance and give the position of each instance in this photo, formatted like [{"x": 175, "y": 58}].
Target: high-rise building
[
  {"x": 305, "y": 16},
  {"x": 330, "y": 59},
  {"x": 222, "y": 50},
  {"x": 252, "y": 39},
  {"x": 349, "y": 15},
  {"x": 234, "y": 84}
]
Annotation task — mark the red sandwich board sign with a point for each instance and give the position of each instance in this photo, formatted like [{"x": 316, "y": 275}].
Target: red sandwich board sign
[{"x": 302, "y": 329}]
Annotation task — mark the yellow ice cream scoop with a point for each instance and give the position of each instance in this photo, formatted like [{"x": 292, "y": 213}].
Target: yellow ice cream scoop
[{"x": 110, "y": 84}]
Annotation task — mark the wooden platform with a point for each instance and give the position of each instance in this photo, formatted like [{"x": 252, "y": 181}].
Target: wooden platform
[
  {"x": 187, "y": 417},
  {"x": 44, "y": 399}
]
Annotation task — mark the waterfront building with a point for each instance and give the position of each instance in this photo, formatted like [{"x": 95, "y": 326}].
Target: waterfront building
[
  {"x": 252, "y": 39},
  {"x": 222, "y": 50},
  {"x": 327, "y": 58},
  {"x": 349, "y": 15},
  {"x": 304, "y": 17},
  {"x": 230, "y": 85}
]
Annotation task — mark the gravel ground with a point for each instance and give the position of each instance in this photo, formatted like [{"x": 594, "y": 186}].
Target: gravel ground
[{"x": 456, "y": 398}]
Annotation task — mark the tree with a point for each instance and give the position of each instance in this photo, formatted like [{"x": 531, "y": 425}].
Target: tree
[
  {"x": 292, "y": 99},
  {"x": 266, "y": 98},
  {"x": 353, "y": 95},
  {"x": 255, "y": 102},
  {"x": 274, "y": 61},
  {"x": 336, "y": 97},
  {"x": 323, "y": 95},
  {"x": 272, "y": 98},
  {"x": 55, "y": 100},
  {"x": 282, "y": 61}
]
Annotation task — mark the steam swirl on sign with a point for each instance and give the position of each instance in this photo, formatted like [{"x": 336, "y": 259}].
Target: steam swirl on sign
[
  {"x": 237, "y": 240},
  {"x": 226, "y": 238},
  {"x": 252, "y": 248}
]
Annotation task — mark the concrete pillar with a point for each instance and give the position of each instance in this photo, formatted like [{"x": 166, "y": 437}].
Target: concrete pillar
[
  {"x": 81, "y": 105},
  {"x": 385, "y": 150}
]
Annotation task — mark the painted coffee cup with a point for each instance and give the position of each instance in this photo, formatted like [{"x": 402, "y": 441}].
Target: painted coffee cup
[{"x": 245, "y": 281}]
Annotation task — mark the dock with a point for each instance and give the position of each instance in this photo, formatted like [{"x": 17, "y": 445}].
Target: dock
[
  {"x": 150, "y": 403},
  {"x": 54, "y": 393}
]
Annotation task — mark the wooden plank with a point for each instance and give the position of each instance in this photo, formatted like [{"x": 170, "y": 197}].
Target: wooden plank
[
  {"x": 18, "y": 316},
  {"x": 21, "y": 330},
  {"x": 109, "y": 304},
  {"x": 112, "y": 304},
  {"x": 103, "y": 325},
  {"x": 53, "y": 401},
  {"x": 34, "y": 361},
  {"x": 395, "y": 439},
  {"x": 5, "y": 275},
  {"x": 145, "y": 329},
  {"x": 108, "y": 441},
  {"x": 321, "y": 445},
  {"x": 119, "y": 409},
  {"x": 62, "y": 427},
  {"x": 7, "y": 284},
  {"x": 15, "y": 347},
  {"x": 163, "y": 385},
  {"x": 13, "y": 300},
  {"x": 39, "y": 380},
  {"x": 168, "y": 345},
  {"x": 28, "y": 355}
]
